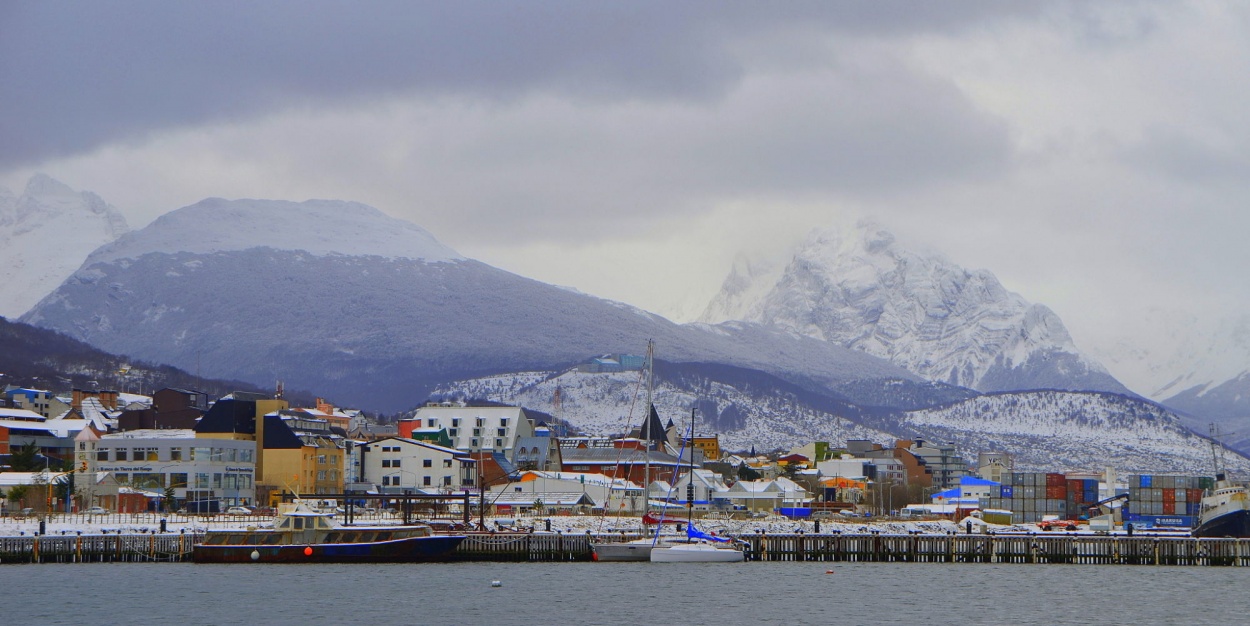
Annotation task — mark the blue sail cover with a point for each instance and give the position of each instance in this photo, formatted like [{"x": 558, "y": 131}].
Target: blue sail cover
[{"x": 694, "y": 533}]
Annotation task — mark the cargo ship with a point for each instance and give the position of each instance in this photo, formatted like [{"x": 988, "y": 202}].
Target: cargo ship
[
  {"x": 1225, "y": 511},
  {"x": 301, "y": 534}
]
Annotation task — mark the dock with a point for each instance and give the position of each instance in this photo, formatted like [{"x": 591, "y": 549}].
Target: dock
[{"x": 857, "y": 548}]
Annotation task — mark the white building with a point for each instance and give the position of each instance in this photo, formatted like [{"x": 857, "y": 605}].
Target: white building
[
  {"x": 550, "y": 488},
  {"x": 396, "y": 464},
  {"x": 477, "y": 428},
  {"x": 197, "y": 469}
]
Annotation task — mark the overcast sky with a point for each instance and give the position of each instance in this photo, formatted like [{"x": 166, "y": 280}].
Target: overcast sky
[{"x": 1095, "y": 156}]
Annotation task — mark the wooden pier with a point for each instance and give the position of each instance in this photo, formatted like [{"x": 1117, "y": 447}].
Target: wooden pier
[
  {"x": 75, "y": 548},
  {"x": 866, "y": 548}
]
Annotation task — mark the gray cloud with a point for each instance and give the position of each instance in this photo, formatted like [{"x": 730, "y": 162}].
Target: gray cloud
[{"x": 81, "y": 74}]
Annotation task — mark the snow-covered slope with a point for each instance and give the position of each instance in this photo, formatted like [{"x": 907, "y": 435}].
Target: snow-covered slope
[
  {"x": 341, "y": 299},
  {"x": 745, "y": 410},
  {"x": 44, "y": 236},
  {"x": 1041, "y": 430},
  {"x": 1197, "y": 366},
  {"x": 1053, "y": 430},
  {"x": 860, "y": 290}
]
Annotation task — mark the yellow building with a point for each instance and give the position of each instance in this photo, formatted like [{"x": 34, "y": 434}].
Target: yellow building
[{"x": 709, "y": 445}]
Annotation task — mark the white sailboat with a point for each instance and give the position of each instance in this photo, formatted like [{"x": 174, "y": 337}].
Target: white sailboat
[
  {"x": 638, "y": 549},
  {"x": 698, "y": 546}
]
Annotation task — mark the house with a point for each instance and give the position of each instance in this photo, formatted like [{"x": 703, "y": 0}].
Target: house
[
  {"x": 623, "y": 459},
  {"x": 708, "y": 488},
  {"x": 766, "y": 495},
  {"x": 39, "y": 401},
  {"x": 398, "y": 464},
  {"x": 170, "y": 408},
  {"x": 930, "y": 464},
  {"x": 53, "y": 437},
  {"x": 552, "y": 488}
]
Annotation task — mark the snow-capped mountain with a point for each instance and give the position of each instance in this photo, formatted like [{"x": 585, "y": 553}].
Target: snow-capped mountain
[
  {"x": 339, "y": 298},
  {"x": 1045, "y": 430},
  {"x": 1041, "y": 430},
  {"x": 1196, "y": 366},
  {"x": 44, "y": 236},
  {"x": 861, "y": 290}
]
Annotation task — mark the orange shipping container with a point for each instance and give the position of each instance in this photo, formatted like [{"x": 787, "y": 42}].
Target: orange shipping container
[
  {"x": 1055, "y": 480},
  {"x": 1056, "y": 493},
  {"x": 1169, "y": 495},
  {"x": 1193, "y": 495},
  {"x": 1169, "y": 507}
]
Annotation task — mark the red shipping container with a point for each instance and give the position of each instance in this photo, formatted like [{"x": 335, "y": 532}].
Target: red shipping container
[
  {"x": 1075, "y": 486},
  {"x": 1169, "y": 507},
  {"x": 1193, "y": 495},
  {"x": 1056, "y": 493},
  {"x": 1169, "y": 495},
  {"x": 1055, "y": 480}
]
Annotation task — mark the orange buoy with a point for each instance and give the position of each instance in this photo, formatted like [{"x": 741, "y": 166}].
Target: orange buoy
[
  {"x": 308, "y": 551},
  {"x": 828, "y": 571}
]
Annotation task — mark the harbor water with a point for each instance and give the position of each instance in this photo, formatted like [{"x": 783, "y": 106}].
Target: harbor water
[{"x": 621, "y": 593}]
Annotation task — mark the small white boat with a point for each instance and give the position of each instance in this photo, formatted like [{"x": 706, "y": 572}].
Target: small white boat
[{"x": 697, "y": 552}]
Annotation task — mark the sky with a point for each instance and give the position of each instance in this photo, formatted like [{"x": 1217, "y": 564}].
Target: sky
[{"x": 1094, "y": 156}]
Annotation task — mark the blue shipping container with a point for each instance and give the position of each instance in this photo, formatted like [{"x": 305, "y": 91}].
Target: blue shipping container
[
  {"x": 1145, "y": 481},
  {"x": 1007, "y": 491},
  {"x": 1161, "y": 521},
  {"x": 794, "y": 512}
]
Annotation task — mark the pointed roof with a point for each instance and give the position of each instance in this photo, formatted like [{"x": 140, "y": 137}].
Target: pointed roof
[{"x": 652, "y": 429}]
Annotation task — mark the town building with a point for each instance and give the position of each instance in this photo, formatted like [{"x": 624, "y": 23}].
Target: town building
[{"x": 399, "y": 464}]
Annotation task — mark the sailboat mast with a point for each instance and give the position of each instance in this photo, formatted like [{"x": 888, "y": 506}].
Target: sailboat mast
[{"x": 646, "y": 429}]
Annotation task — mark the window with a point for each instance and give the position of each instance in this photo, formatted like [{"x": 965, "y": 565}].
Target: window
[
  {"x": 175, "y": 454},
  {"x": 454, "y": 432},
  {"x": 216, "y": 481},
  {"x": 321, "y": 475},
  {"x": 102, "y": 455},
  {"x": 446, "y": 462},
  {"x": 386, "y": 462},
  {"x": 503, "y": 421},
  {"x": 321, "y": 459},
  {"x": 477, "y": 432},
  {"x": 246, "y": 456},
  {"x": 121, "y": 454},
  {"x": 427, "y": 463},
  {"x": 82, "y": 445},
  {"x": 455, "y": 422},
  {"x": 473, "y": 444},
  {"x": 447, "y": 481},
  {"x": 386, "y": 481},
  {"x": 425, "y": 480},
  {"x": 232, "y": 454},
  {"x": 502, "y": 432},
  {"x": 481, "y": 421},
  {"x": 499, "y": 443},
  {"x": 122, "y": 477},
  {"x": 178, "y": 480},
  {"x": 334, "y": 460},
  {"x": 200, "y": 454}
]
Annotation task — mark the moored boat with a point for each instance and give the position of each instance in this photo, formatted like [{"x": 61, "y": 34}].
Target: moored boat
[
  {"x": 303, "y": 535},
  {"x": 1225, "y": 511}
]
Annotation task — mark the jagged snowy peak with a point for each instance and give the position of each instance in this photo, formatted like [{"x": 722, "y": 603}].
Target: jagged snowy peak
[
  {"x": 859, "y": 289},
  {"x": 744, "y": 410},
  {"x": 44, "y": 236},
  {"x": 1055, "y": 430},
  {"x": 318, "y": 227}
]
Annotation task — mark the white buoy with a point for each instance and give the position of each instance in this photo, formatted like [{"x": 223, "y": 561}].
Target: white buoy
[
  {"x": 255, "y": 555},
  {"x": 496, "y": 583}
]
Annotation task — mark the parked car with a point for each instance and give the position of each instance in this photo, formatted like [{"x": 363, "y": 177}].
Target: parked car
[
  {"x": 97, "y": 510},
  {"x": 238, "y": 510}
]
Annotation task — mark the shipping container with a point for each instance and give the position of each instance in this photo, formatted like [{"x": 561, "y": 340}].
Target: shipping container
[
  {"x": 1055, "y": 480},
  {"x": 1056, "y": 492},
  {"x": 1008, "y": 491}
]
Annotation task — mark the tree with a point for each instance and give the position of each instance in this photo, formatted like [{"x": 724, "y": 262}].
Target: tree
[
  {"x": 745, "y": 472},
  {"x": 26, "y": 458},
  {"x": 17, "y": 493},
  {"x": 65, "y": 486}
]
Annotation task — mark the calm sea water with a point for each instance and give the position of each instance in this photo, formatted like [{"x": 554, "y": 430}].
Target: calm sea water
[{"x": 622, "y": 593}]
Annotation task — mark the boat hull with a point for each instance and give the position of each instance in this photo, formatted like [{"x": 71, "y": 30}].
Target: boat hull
[
  {"x": 696, "y": 553},
  {"x": 407, "y": 550},
  {"x": 1232, "y": 524},
  {"x": 635, "y": 551}
]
